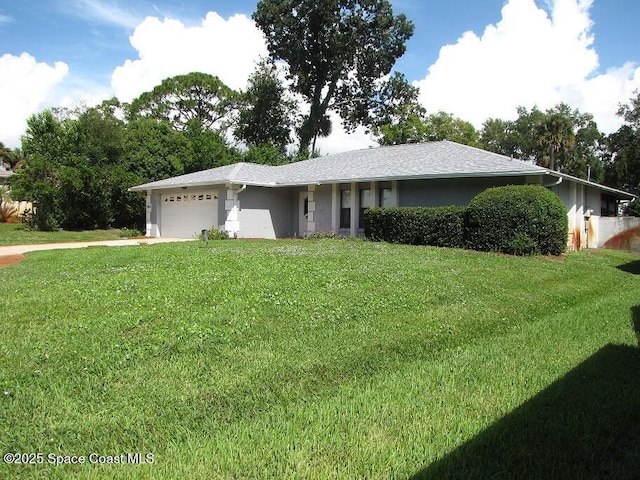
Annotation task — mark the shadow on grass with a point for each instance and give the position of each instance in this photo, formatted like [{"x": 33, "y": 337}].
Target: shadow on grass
[
  {"x": 585, "y": 425},
  {"x": 631, "y": 267},
  {"x": 635, "y": 315}
]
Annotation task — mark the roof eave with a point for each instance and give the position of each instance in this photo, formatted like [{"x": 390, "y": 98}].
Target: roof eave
[
  {"x": 413, "y": 177},
  {"x": 150, "y": 186}
]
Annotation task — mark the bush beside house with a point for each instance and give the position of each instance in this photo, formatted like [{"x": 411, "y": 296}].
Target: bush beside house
[
  {"x": 436, "y": 226},
  {"x": 515, "y": 219}
]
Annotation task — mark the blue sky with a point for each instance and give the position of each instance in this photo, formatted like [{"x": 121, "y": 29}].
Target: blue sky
[{"x": 499, "y": 54}]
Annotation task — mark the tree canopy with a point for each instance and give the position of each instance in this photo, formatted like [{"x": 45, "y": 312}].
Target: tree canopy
[
  {"x": 186, "y": 100},
  {"x": 267, "y": 114},
  {"x": 623, "y": 161},
  {"x": 335, "y": 51}
]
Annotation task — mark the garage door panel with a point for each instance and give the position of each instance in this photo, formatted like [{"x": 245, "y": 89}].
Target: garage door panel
[{"x": 186, "y": 214}]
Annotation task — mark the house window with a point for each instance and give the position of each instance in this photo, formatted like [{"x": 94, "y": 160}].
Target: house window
[
  {"x": 345, "y": 208},
  {"x": 386, "y": 197},
  {"x": 366, "y": 201},
  {"x": 608, "y": 206}
]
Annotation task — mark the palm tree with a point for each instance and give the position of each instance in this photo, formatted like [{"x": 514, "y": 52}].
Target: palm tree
[{"x": 555, "y": 135}]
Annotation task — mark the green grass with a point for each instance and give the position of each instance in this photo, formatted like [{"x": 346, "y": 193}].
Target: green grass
[
  {"x": 321, "y": 359},
  {"x": 17, "y": 234}
]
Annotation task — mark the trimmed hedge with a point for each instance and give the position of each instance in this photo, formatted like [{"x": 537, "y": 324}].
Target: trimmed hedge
[
  {"x": 517, "y": 219},
  {"x": 435, "y": 226}
]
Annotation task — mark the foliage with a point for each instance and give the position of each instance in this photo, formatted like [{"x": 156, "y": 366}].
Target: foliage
[
  {"x": 435, "y": 226},
  {"x": 10, "y": 159},
  {"x": 196, "y": 99},
  {"x": 401, "y": 119},
  {"x": 208, "y": 149},
  {"x": 559, "y": 138},
  {"x": 215, "y": 233},
  {"x": 335, "y": 51},
  {"x": 633, "y": 209},
  {"x": 8, "y": 210},
  {"x": 320, "y": 359},
  {"x": 153, "y": 150},
  {"x": 130, "y": 233},
  {"x": 554, "y": 136},
  {"x": 623, "y": 166},
  {"x": 517, "y": 219},
  {"x": 266, "y": 115},
  {"x": 266, "y": 154},
  {"x": 321, "y": 236}
]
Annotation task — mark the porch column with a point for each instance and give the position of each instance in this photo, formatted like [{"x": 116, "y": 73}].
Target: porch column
[
  {"x": 148, "y": 215},
  {"x": 335, "y": 208},
  {"x": 395, "y": 193},
  {"x": 232, "y": 207},
  {"x": 355, "y": 208},
  {"x": 311, "y": 222}
]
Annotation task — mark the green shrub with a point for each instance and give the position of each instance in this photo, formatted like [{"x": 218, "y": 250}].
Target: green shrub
[
  {"x": 517, "y": 219},
  {"x": 436, "y": 226},
  {"x": 215, "y": 234},
  {"x": 633, "y": 209},
  {"x": 321, "y": 235},
  {"x": 130, "y": 232}
]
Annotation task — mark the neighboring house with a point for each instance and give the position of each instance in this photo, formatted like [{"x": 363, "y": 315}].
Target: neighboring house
[
  {"x": 330, "y": 194},
  {"x": 20, "y": 207},
  {"x": 4, "y": 174}
]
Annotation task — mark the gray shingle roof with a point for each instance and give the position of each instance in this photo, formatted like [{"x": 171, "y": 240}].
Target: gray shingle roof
[{"x": 420, "y": 160}]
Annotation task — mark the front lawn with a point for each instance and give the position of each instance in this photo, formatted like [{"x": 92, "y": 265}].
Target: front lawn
[
  {"x": 18, "y": 234},
  {"x": 321, "y": 359}
]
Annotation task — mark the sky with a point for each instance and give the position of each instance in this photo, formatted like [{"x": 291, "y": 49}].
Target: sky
[{"x": 475, "y": 59}]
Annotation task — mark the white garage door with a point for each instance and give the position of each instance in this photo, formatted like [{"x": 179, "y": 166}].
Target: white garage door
[{"x": 185, "y": 215}]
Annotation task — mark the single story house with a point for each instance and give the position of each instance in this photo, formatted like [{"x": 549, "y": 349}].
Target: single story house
[
  {"x": 330, "y": 194},
  {"x": 4, "y": 175}
]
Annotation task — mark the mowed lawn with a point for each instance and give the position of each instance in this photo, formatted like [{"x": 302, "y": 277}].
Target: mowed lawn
[
  {"x": 18, "y": 234},
  {"x": 320, "y": 359}
]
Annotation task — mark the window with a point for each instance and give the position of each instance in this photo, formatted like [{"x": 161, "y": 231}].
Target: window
[
  {"x": 386, "y": 198},
  {"x": 608, "y": 206},
  {"x": 345, "y": 208},
  {"x": 366, "y": 201}
]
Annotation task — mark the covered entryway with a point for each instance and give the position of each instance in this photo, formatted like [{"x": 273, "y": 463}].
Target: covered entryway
[{"x": 186, "y": 214}]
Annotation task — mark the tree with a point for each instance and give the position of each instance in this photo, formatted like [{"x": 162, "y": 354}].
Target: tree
[
  {"x": 497, "y": 136},
  {"x": 266, "y": 115},
  {"x": 623, "y": 167},
  {"x": 74, "y": 171},
  {"x": 395, "y": 114},
  {"x": 335, "y": 51},
  {"x": 559, "y": 138},
  {"x": 444, "y": 126},
  {"x": 187, "y": 99},
  {"x": 555, "y": 136},
  {"x": 10, "y": 159}
]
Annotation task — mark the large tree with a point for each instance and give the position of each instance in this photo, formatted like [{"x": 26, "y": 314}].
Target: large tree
[
  {"x": 267, "y": 115},
  {"x": 559, "y": 138},
  {"x": 335, "y": 50},
  {"x": 623, "y": 168},
  {"x": 186, "y": 100}
]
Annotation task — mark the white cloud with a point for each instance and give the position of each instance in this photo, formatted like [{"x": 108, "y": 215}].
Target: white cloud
[
  {"x": 226, "y": 48},
  {"x": 528, "y": 58},
  {"x": 25, "y": 85}
]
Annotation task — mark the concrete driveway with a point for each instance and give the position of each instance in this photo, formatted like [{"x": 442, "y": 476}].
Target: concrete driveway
[{"x": 22, "y": 249}]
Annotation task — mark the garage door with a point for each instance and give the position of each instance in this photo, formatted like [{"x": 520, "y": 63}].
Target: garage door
[{"x": 185, "y": 215}]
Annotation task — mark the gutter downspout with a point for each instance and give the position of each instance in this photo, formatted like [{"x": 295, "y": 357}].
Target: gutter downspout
[{"x": 556, "y": 183}]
